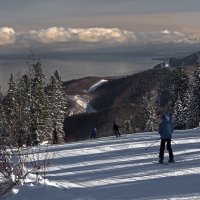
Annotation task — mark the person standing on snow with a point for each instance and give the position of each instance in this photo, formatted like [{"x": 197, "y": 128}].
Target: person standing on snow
[
  {"x": 165, "y": 130},
  {"x": 94, "y": 133},
  {"x": 116, "y": 130}
]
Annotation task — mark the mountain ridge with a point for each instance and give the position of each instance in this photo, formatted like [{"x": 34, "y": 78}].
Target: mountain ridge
[{"x": 122, "y": 100}]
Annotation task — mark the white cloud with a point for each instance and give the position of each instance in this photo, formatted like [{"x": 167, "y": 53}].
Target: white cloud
[
  {"x": 90, "y": 35},
  {"x": 7, "y": 35},
  {"x": 96, "y": 36},
  {"x": 164, "y": 36},
  {"x": 174, "y": 36},
  {"x": 104, "y": 34},
  {"x": 165, "y": 31},
  {"x": 50, "y": 35}
]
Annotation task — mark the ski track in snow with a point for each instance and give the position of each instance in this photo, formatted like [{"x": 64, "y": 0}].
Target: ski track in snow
[{"x": 121, "y": 168}]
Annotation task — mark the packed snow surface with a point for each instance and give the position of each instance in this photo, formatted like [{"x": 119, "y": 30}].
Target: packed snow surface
[{"x": 117, "y": 169}]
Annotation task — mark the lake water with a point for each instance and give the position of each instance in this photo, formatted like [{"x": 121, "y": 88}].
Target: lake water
[{"x": 77, "y": 65}]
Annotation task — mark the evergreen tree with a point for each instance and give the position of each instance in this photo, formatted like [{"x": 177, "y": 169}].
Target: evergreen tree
[
  {"x": 2, "y": 115},
  {"x": 178, "y": 100},
  {"x": 39, "y": 112},
  {"x": 11, "y": 108},
  {"x": 24, "y": 108},
  {"x": 179, "y": 114},
  {"x": 128, "y": 126},
  {"x": 193, "y": 117},
  {"x": 150, "y": 105},
  {"x": 57, "y": 104}
]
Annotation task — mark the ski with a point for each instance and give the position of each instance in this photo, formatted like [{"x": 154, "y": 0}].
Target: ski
[{"x": 164, "y": 163}]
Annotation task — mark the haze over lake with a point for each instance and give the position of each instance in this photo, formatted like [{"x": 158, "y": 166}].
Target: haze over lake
[
  {"x": 79, "y": 64},
  {"x": 73, "y": 65}
]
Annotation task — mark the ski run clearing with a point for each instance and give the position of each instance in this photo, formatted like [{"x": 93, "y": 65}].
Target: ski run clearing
[
  {"x": 122, "y": 168},
  {"x": 96, "y": 85}
]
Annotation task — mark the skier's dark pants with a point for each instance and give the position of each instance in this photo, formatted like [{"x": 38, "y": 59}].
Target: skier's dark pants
[
  {"x": 162, "y": 148},
  {"x": 117, "y": 133},
  {"x": 93, "y": 136}
]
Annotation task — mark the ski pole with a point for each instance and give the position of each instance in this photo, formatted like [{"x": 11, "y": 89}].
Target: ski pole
[
  {"x": 179, "y": 147},
  {"x": 152, "y": 144}
]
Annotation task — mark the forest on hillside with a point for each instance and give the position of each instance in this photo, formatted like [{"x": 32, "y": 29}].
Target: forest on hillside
[
  {"x": 30, "y": 110},
  {"x": 136, "y": 102}
]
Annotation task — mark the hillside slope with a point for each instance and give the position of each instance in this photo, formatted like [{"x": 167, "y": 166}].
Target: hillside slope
[
  {"x": 119, "y": 168},
  {"x": 119, "y": 99}
]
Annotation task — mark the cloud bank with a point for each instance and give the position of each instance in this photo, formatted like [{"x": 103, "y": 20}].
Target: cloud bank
[
  {"x": 103, "y": 36},
  {"x": 165, "y": 36},
  {"x": 7, "y": 35},
  {"x": 90, "y": 35}
]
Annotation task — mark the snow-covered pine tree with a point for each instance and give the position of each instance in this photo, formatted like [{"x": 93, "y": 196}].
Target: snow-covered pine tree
[
  {"x": 179, "y": 118},
  {"x": 193, "y": 111},
  {"x": 57, "y": 104},
  {"x": 39, "y": 112},
  {"x": 2, "y": 115},
  {"x": 11, "y": 108},
  {"x": 179, "y": 94},
  {"x": 24, "y": 108},
  {"x": 150, "y": 106},
  {"x": 128, "y": 126}
]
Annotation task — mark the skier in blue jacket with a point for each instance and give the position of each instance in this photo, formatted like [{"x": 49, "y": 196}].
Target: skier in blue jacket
[
  {"x": 94, "y": 133},
  {"x": 165, "y": 130}
]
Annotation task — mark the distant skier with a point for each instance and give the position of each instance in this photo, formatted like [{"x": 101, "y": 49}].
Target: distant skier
[
  {"x": 116, "y": 130},
  {"x": 165, "y": 130},
  {"x": 94, "y": 133}
]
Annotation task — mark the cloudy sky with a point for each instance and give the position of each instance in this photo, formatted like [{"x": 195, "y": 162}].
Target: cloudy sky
[
  {"x": 53, "y": 28},
  {"x": 90, "y": 24}
]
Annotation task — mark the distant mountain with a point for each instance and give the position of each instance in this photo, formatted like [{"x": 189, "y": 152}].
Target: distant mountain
[
  {"x": 190, "y": 60},
  {"x": 186, "y": 61}
]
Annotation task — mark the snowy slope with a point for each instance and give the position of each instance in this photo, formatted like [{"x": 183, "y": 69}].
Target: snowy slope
[
  {"x": 120, "y": 168},
  {"x": 82, "y": 102},
  {"x": 96, "y": 85}
]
